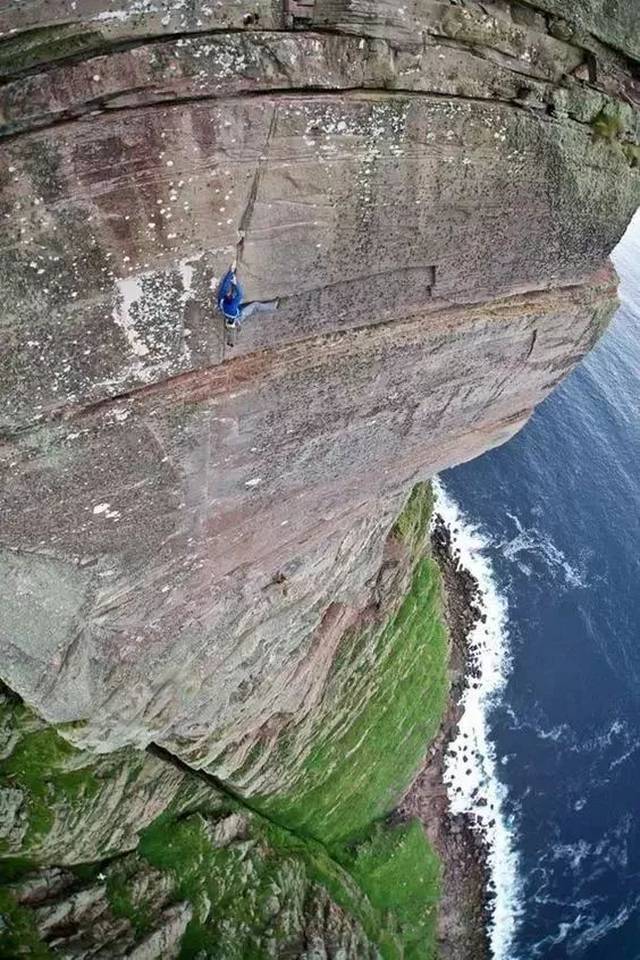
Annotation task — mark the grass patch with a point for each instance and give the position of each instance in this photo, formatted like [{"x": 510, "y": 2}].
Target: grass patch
[
  {"x": 607, "y": 126},
  {"x": 382, "y": 709},
  {"x": 33, "y": 765},
  {"x": 19, "y": 936},
  {"x": 400, "y": 873},
  {"x": 15, "y": 868},
  {"x": 413, "y": 523},
  {"x": 252, "y": 892},
  {"x": 38, "y": 765}
]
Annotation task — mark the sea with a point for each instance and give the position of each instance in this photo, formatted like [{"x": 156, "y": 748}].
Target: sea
[{"x": 547, "y": 759}]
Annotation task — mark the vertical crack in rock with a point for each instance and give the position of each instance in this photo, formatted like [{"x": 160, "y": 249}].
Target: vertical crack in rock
[{"x": 222, "y": 556}]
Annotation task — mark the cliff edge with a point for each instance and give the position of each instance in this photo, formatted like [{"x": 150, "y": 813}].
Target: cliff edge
[{"x": 218, "y": 630}]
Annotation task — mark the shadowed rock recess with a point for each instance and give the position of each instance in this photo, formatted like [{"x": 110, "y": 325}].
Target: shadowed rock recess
[{"x": 221, "y": 637}]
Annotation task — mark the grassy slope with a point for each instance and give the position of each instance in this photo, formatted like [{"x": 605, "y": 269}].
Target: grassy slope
[
  {"x": 389, "y": 690},
  {"x": 401, "y": 875},
  {"x": 383, "y": 705},
  {"x": 233, "y": 889}
]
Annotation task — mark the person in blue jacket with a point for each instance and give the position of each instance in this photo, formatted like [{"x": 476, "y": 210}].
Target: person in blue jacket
[{"x": 230, "y": 301}]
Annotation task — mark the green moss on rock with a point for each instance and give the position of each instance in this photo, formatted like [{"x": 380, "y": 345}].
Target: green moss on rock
[
  {"x": 19, "y": 935},
  {"x": 607, "y": 126},
  {"x": 37, "y": 764},
  {"x": 46, "y": 45},
  {"x": 632, "y": 153}
]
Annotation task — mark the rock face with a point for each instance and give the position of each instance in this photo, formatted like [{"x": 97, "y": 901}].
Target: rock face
[
  {"x": 66, "y": 806},
  {"x": 190, "y": 531}
]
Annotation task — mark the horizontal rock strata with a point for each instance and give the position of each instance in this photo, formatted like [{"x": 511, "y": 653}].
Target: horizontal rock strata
[{"x": 200, "y": 554}]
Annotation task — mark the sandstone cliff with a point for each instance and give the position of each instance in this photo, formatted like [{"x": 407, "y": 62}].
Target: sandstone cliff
[{"x": 201, "y": 564}]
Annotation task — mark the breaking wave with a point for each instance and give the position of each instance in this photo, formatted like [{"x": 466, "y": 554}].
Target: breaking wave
[{"x": 471, "y": 765}]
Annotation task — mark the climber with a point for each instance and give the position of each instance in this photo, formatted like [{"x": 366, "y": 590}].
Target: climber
[{"x": 230, "y": 303}]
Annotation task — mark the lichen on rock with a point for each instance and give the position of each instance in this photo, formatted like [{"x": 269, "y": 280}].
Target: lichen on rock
[{"x": 223, "y": 635}]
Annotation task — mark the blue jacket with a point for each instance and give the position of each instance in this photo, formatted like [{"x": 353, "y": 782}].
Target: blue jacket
[{"x": 231, "y": 307}]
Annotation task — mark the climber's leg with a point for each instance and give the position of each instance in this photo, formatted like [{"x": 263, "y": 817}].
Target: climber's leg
[
  {"x": 231, "y": 328},
  {"x": 258, "y": 306}
]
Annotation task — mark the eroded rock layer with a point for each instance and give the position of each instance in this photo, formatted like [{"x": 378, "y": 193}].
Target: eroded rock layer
[{"x": 198, "y": 549}]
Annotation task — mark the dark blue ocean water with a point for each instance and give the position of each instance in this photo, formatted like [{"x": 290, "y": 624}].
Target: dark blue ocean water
[{"x": 560, "y": 506}]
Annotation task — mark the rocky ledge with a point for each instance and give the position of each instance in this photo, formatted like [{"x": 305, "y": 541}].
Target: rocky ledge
[{"x": 201, "y": 557}]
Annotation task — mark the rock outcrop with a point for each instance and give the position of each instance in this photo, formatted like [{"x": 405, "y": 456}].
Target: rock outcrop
[{"x": 198, "y": 545}]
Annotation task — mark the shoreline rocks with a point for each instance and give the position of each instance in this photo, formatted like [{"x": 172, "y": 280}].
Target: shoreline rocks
[{"x": 465, "y": 902}]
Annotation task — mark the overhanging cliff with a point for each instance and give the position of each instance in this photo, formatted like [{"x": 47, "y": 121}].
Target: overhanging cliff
[{"x": 197, "y": 543}]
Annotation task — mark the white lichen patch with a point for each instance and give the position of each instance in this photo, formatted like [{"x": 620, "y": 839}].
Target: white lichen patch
[
  {"x": 130, "y": 293},
  {"x": 105, "y": 510},
  {"x": 150, "y": 311}
]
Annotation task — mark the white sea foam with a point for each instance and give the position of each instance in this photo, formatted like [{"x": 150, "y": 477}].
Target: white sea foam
[
  {"x": 574, "y": 853},
  {"x": 597, "y": 930},
  {"x": 584, "y": 930},
  {"x": 617, "y": 736},
  {"x": 531, "y": 541},
  {"x": 555, "y": 734},
  {"x": 542, "y": 948},
  {"x": 470, "y": 765}
]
